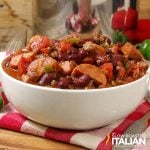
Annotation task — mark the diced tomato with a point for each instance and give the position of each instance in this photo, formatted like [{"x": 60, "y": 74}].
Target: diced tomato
[
  {"x": 22, "y": 65},
  {"x": 65, "y": 45},
  {"x": 45, "y": 50},
  {"x": 41, "y": 43},
  {"x": 50, "y": 43},
  {"x": 108, "y": 70}
]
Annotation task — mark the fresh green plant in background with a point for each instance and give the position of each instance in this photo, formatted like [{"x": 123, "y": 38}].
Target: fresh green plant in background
[
  {"x": 118, "y": 36},
  {"x": 1, "y": 102},
  {"x": 145, "y": 48}
]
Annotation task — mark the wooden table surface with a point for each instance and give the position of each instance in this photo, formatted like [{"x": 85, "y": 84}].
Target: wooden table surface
[{"x": 10, "y": 140}]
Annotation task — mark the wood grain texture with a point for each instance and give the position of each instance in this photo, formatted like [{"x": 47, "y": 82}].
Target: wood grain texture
[
  {"x": 10, "y": 140},
  {"x": 17, "y": 13},
  {"x": 143, "y": 7},
  {"x": 20, "y": 37}
]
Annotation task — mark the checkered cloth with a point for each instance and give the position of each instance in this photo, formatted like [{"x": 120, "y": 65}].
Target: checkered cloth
[{"x": 146, "y": 133}]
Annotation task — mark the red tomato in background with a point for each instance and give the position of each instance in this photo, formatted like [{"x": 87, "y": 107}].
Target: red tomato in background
[
  {"x": 125, "y": 19},
  {"x": 131, "y": 34}
]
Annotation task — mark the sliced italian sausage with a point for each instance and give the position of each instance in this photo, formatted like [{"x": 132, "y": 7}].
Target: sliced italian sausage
[
  {"x": 37, "y": 67},
  {"x": 94, "y": 72},
  {"x": 15, "y": 59}
]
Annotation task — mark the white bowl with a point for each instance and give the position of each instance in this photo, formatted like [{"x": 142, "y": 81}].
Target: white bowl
[{"x": 74, "y": 109}]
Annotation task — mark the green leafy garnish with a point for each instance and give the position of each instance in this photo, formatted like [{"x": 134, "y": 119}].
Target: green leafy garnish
[{"x": 48, "y": 68}]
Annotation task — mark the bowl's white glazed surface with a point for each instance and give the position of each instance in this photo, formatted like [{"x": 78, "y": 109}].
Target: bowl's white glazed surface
[{"x": 74, "y": 109}]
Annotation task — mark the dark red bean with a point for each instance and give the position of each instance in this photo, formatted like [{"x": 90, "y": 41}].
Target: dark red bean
[
  {"x": 82, "y": 81},
  {"x": 117, "y": 58},
  {"x": 96, "y": 39},
  {"x": 83, "y": 53},
  {"x": 74, "y": 50},
  {"x": 76, "y": 57},
  {"x": 101, "y": 59},
  {"x": 64, "y": 82},
  {"x": 109, "y": 52},
  {"x": 47, "y": 78},
  {"x": 62, "y": 57}
]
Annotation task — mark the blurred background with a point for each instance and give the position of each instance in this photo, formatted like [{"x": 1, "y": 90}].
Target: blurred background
[{"x": 20, "y": 19}]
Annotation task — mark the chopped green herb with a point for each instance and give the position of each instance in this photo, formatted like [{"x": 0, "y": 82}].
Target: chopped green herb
[
  {"x": 74, "y": 40},
  {"x": 48, "y": 68}
]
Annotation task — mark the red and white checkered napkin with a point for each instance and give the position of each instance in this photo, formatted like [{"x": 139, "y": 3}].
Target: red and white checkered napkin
[
  {"x": 92, "y": 139},
  {"x": 146, "y": 133}
]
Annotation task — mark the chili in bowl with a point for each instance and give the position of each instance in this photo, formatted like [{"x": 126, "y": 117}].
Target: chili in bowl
[
  {"x": 75, "y": 83},
  {"x": 76, "y": 63}
]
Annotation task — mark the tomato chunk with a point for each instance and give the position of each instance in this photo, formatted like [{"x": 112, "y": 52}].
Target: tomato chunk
[
  {"x": 65, "y": 46},
  {"x": 22, "y": 65},
  {"x": 41, "y": 43},
  {"x": 108, "y": 70}
]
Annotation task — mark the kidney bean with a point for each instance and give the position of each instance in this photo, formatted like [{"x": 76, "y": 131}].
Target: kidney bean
[
  {"x": 109, "y": 52},
  {"x": 76, "y": 57},
  {"x": 96, "y": 40},
  {"x": 83, "y": 53},
  {"x": 82, "y": 81},
  {"x": 63, "y": 82},
  {"x": 101, "y": 59},
  {"x": 117, "y": 58},
  {"x": 47, "y": 78},
  {"x": 62, "y": 57},
  {"x": 74, "y": 50},
  {"x": 77, "y": 45}
]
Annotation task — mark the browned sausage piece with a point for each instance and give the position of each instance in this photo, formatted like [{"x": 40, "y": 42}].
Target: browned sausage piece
[
  {"x": 36, "y": 69},
  {"x": 33, "y": 39},
  {"x": 15, "y": 59},
  {"x": 94, "y": 72},
  {"x": 130, "y": 51}
]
